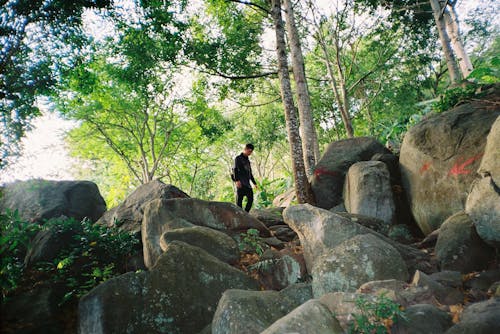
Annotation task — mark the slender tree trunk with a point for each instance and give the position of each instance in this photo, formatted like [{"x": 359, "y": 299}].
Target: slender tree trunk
[
  {"x": 451, "y": 19},
  {"x": 308, "y": 134},
  {"x": 344, "y": 114},
  {"x": 302, "y": 186},
  {"x": 451, "y": 62}
]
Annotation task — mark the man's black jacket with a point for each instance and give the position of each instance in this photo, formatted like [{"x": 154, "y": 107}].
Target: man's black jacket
[{"x": 243, "y": 171}]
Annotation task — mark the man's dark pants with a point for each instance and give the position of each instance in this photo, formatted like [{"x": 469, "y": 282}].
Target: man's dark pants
[{"x": 242, "y": 192}]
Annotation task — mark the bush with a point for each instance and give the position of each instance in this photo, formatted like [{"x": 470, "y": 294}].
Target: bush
[
  {"x": 252, "y": 242},
  {"x": 94, "y": 254},
  {"x": 376, "y": 316}
]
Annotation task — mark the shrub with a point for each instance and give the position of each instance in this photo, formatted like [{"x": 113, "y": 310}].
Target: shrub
[
  {"x": 94, "y": 254},
  {"x": 252, "y": 242},
  {"x": 376, "y": 316}
]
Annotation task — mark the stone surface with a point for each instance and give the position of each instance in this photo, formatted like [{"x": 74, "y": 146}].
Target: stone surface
[
  {"x": 214, "y": 242},
  {"x": 460, "y": 248},
  {"x": 444, "y": 295},
  {"x": 343, "y": 305},
  {"x": 368, "y": 191},
  {"x": 452, "y": 279},
  {"x": 358, "y": 260},
  {"x": 483, "y": 206},
  {"x": 128, "y": 215},
  {"x": 249, "y": 312},
  {"x": 269, "y": 216},
  {"x": 161, "y": 216},
  {"x": 46, "y": 245},
  {"x": 423, "y": 319},
  {"x": 328, "y": 179},
  {"x": 277, "y": 270},
  {"x": 37, "y": 200},
  {"x": 310, "y": 317},
  {"x": 34, "y": 311},
  {"x": 286, "y": 199},
  {"x": 300, "y": 292},
  {"x": 490, "y": 163},
  {"x": 479, "y": 318},
  {"x": 439, "y": 157},
  {"x": 320, "y": 230},
  {"x": 185, "y": 284}
]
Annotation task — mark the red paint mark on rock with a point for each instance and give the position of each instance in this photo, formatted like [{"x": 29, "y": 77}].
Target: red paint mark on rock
[
  {"x": 459, "y": 168},
  {"x": 323, "y": 171},
  {"x": 425, "y": 167}
]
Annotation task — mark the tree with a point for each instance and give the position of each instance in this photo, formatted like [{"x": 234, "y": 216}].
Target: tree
[
  {"x": 38, "y": 39},
  {"x": 302, "y": 185},
  {"x": 449, "y": 55},
  {"x": 310, "y": 145}
]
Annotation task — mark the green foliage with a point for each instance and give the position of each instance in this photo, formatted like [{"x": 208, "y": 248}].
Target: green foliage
[
  {"x": 376, "y": 316},
  {"x": 453, "y": 97},
  {"x": 93, "y": 254},
  {"x": 269, "y": 189},
  {"x": 14, "y": 241},
  {"x": 252, "y": 242}
]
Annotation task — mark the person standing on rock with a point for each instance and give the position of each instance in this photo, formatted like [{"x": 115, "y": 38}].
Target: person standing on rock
[{"x": 242, "y": 175}]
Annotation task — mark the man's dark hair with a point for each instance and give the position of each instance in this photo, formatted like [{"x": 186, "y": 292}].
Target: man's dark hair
[{"x": 249, "y": 146}]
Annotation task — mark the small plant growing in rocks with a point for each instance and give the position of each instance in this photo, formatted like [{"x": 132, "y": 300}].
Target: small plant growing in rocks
[
  {"x": 375, "y": 316},
  {"x": 252, "y": 242}
]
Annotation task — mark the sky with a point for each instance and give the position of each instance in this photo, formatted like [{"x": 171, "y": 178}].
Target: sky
[{"x": 45, "y": 154}]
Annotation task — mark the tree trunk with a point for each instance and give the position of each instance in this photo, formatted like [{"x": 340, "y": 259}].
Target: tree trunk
[
  {"x": 302, "y": 186},
  {"x": 451, "y": 19},
  {"x": 308, "y": 134},
  {"x": 344, "y": 114},
  {"x": 451, "y": 62}
]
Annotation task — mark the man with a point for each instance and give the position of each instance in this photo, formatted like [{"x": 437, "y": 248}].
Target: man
[{"x": 242, "y": 177}]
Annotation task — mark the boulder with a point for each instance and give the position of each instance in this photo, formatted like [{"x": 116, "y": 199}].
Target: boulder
[
  {"x": 299, "y": 292},
  {"x": 483, "y": 207},
  {"x": 372, "y": 223},
  {"x": 269, "y": 216},
  {"x": 178, "y": 295},
  {"x": 445, "y": 295},
  {"x": 33, "y": 311},
  {"x": 344, "y": 306},
  {"x": 161, "y": 216},
  {"x": 358, "y": 260},
  {"x": 439, "y": 157},
  {"x": 328, "y": 179},
  {"x": 367, "y": 191},
  {"x": 47, "y": 244},
  {"x": 310, "y": 317},
  {"x": 128, "y": 215},
  {"x": 286, "y": 199},
  {"x": 483, "y": 203},
  {"x": 460, "y": 248},
  {"x": 277, "y": 270},
  {"x": 479, "y": 318},
  {"x": 38, "y": 200},
  {"x": 283, "y": 232},
  {"x": 320, "y": 230},
  {"x": 241, "y": 311},
  {"x": 214, "y": 242},
  {"x": 449, "y": 278},
  {"x": 422, "y": 319}
]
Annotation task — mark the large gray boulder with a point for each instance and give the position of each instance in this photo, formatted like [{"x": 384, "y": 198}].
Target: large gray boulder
[
  {"x": 368, "y": 191},
  {"x": 37, "y": 200},
  {"x": 178, "y": 295},
  {"x": 310, "y": 317},
  {"x": 460, "y": 248},
  {"x": 483, "y": 202},
  {"x": 479, "y": 318},
  {"x": 320, "y": 230},
  {"x": 214, "y": 242},
  {"x": 423, "y": 319},
  {"x": 361, "y": 259},
  {"x": 161, "y": 216},
  {"x": 246, "y": 312},
  {"x": 128, "y": 215},
  {"x": 328, "y": 179},
  {"x": 439, "y": 157}
]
